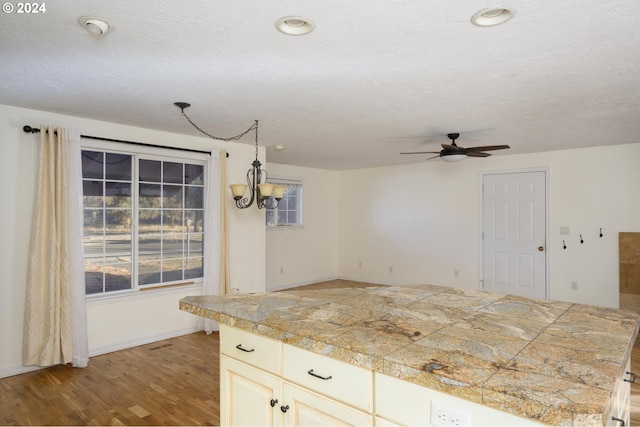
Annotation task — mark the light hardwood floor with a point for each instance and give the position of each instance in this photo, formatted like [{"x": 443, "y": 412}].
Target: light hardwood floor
[{"x": 171, "y": 382}]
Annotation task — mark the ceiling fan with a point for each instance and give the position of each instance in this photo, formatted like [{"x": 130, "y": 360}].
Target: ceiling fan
[{"x": 453, "y": 153}]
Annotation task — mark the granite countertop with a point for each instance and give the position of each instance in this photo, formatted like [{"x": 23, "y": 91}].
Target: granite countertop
[{"x": 554, "y": 362}]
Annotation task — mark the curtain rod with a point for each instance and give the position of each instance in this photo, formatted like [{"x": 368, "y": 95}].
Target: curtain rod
[{"x": 29, "y": 129}]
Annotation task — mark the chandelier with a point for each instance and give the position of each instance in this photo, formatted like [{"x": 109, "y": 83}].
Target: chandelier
[{"x": 259, "y": 190}]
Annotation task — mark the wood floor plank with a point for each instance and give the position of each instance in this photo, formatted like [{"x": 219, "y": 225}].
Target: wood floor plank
[{"x": 173, "y": 382}]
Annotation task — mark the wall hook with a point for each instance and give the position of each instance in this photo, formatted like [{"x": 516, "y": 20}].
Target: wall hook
[
  {"x": 581, "y": 239},
  {"x": 600, "y": 232},
  {"x": 564, "y": 245}
]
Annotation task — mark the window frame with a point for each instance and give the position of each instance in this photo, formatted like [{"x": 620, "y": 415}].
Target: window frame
[
  {"x": 288, "y": 181},
  {"x": 156, "y": 154}
]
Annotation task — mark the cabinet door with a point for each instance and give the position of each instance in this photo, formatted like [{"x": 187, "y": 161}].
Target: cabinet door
[
  {"x": 247, "y": 394},
  {"x": 307, "y": 408}
]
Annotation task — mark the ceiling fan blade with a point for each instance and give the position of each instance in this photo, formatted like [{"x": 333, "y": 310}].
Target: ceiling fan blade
[
  {"x": 488, "y": 148},
  {"x": 477, "y": 154},
  {"x": 423, "y": 152},
  {"x": 434, "y": 157}
]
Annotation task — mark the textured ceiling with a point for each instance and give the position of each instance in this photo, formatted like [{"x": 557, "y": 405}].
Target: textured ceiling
[{"x": 375, "y": 78}]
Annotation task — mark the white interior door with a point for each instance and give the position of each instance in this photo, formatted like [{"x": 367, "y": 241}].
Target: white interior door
[{"x": 514, "y": 233}]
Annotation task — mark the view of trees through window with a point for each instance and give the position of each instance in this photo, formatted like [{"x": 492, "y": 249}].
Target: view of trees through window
[{"x": 143, "y": 221}]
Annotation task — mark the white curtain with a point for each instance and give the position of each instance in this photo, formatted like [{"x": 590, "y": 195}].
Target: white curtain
[
  {"x": 55, "y": 329},
  {"x": 215, "y": 269}
]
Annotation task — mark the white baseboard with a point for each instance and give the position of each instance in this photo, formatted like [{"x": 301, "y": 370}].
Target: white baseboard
[
  {"x": 97, "y": 351},
  {"x": 9, "y": 371},
  {"x": 304, "y": 283}
]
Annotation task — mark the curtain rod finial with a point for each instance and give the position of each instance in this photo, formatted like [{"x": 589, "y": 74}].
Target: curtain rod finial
[{"x": 29, "y": 129}]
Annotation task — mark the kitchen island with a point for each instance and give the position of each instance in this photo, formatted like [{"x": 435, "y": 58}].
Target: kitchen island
[{"x": 541, "y": 361}]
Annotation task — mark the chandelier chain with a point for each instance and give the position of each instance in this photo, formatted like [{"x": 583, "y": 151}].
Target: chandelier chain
[{"x": 232, "y": 138}]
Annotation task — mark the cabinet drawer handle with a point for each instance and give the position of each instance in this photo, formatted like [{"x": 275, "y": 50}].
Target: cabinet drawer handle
[
  {"x": 273, "y": 402},
  {"x": 618, "y": 420},
  {"x": 284, "y": 408},
  {"x": 240, "y": 347},
  {"x": 633, "y": 379},
  {"x": 313, "y": 374}
]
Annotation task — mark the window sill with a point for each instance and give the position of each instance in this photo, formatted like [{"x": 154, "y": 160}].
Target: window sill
[
  {"x": 93, "y": 300},
  {"x": 284, "y": 227}
]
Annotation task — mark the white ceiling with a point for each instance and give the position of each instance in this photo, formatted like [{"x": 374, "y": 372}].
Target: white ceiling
[{"x": 375, "y": 77}]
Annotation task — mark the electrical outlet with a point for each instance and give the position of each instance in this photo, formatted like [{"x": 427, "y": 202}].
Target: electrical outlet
[
  {"x": 390, "y": 269},
  {"x": 564, "y": 231},
  {"x": 574, "y": 285},
  {"x": 444, "y": 416}
]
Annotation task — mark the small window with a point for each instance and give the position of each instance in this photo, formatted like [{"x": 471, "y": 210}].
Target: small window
[{"x": 289, "y": 210}]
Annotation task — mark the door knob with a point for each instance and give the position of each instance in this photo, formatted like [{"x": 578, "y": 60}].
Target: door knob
[{"x": 541, "y": 248}]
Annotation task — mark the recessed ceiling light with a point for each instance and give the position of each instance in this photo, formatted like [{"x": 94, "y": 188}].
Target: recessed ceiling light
[
  {"x": 95, "y": 25},
  {"x": 491, "y": 16},
  {"x": 294, "y": 25}
]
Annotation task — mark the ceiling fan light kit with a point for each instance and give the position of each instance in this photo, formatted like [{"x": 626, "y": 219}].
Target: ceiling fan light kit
[
  {"x": 452, "y": 153},
  {"x": 492, "y": 16}
]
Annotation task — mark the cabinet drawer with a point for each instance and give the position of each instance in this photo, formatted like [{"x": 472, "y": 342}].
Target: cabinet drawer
[
  {"x": 253, "y": 349},
  {"x": 330, "y": 377}
]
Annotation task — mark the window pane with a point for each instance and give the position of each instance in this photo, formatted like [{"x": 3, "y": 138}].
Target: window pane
[
  {"x": 193, "y": 268},
  {"x": 149, "y": 247},
  {"x": 92, "y": 193},
  {"x": 118, "y": 194},
  {"x": 271, "y": 216},
  {"x": 118, "y": 167},
  {"x": 172, "y": 196},
  {"x": 172, "y": 173},
  {"x": 194, "y": 244},
  {"x": 148, "y": 273},
  {"x": 172, "y": 270},
  {"x": 93, "y": 222},
  {"x": 172, "y": 221},
  {"x": 193, "y": 174},
  {"x": 117, "y": 221},
  {"x": 93, "y": 278},
  {"x": 194, "y": 197},
  {"x": 149, "y": 170},
  {"x": 149, "y": 221},
  {"x": 172, "y": 246},
  {"x": 149, "y": 196},
  {"x": 194, "y": 223},
  {"x": 92, "y": 164},
  {"x": 117, "y": 277}
]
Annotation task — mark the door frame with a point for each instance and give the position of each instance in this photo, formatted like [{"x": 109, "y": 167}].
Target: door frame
[{"x": 547, "y": 257}]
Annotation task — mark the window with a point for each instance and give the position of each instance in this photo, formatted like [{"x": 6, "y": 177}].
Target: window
[
  {"x": 143, "y": 220},
  {"x": 289, "y": 210}
]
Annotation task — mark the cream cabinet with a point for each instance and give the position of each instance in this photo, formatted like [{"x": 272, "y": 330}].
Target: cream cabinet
[
  {"x": 255, "y": 389},
  {"x": 620, "y": 413},
  {"x": 248, "y": 396}
]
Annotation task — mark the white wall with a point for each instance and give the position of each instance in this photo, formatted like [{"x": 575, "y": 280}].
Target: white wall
[
  {"x": 299, "y": 256},
  {"x": 422, "y": 220},
  {"x": 115, "y": 323}
]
